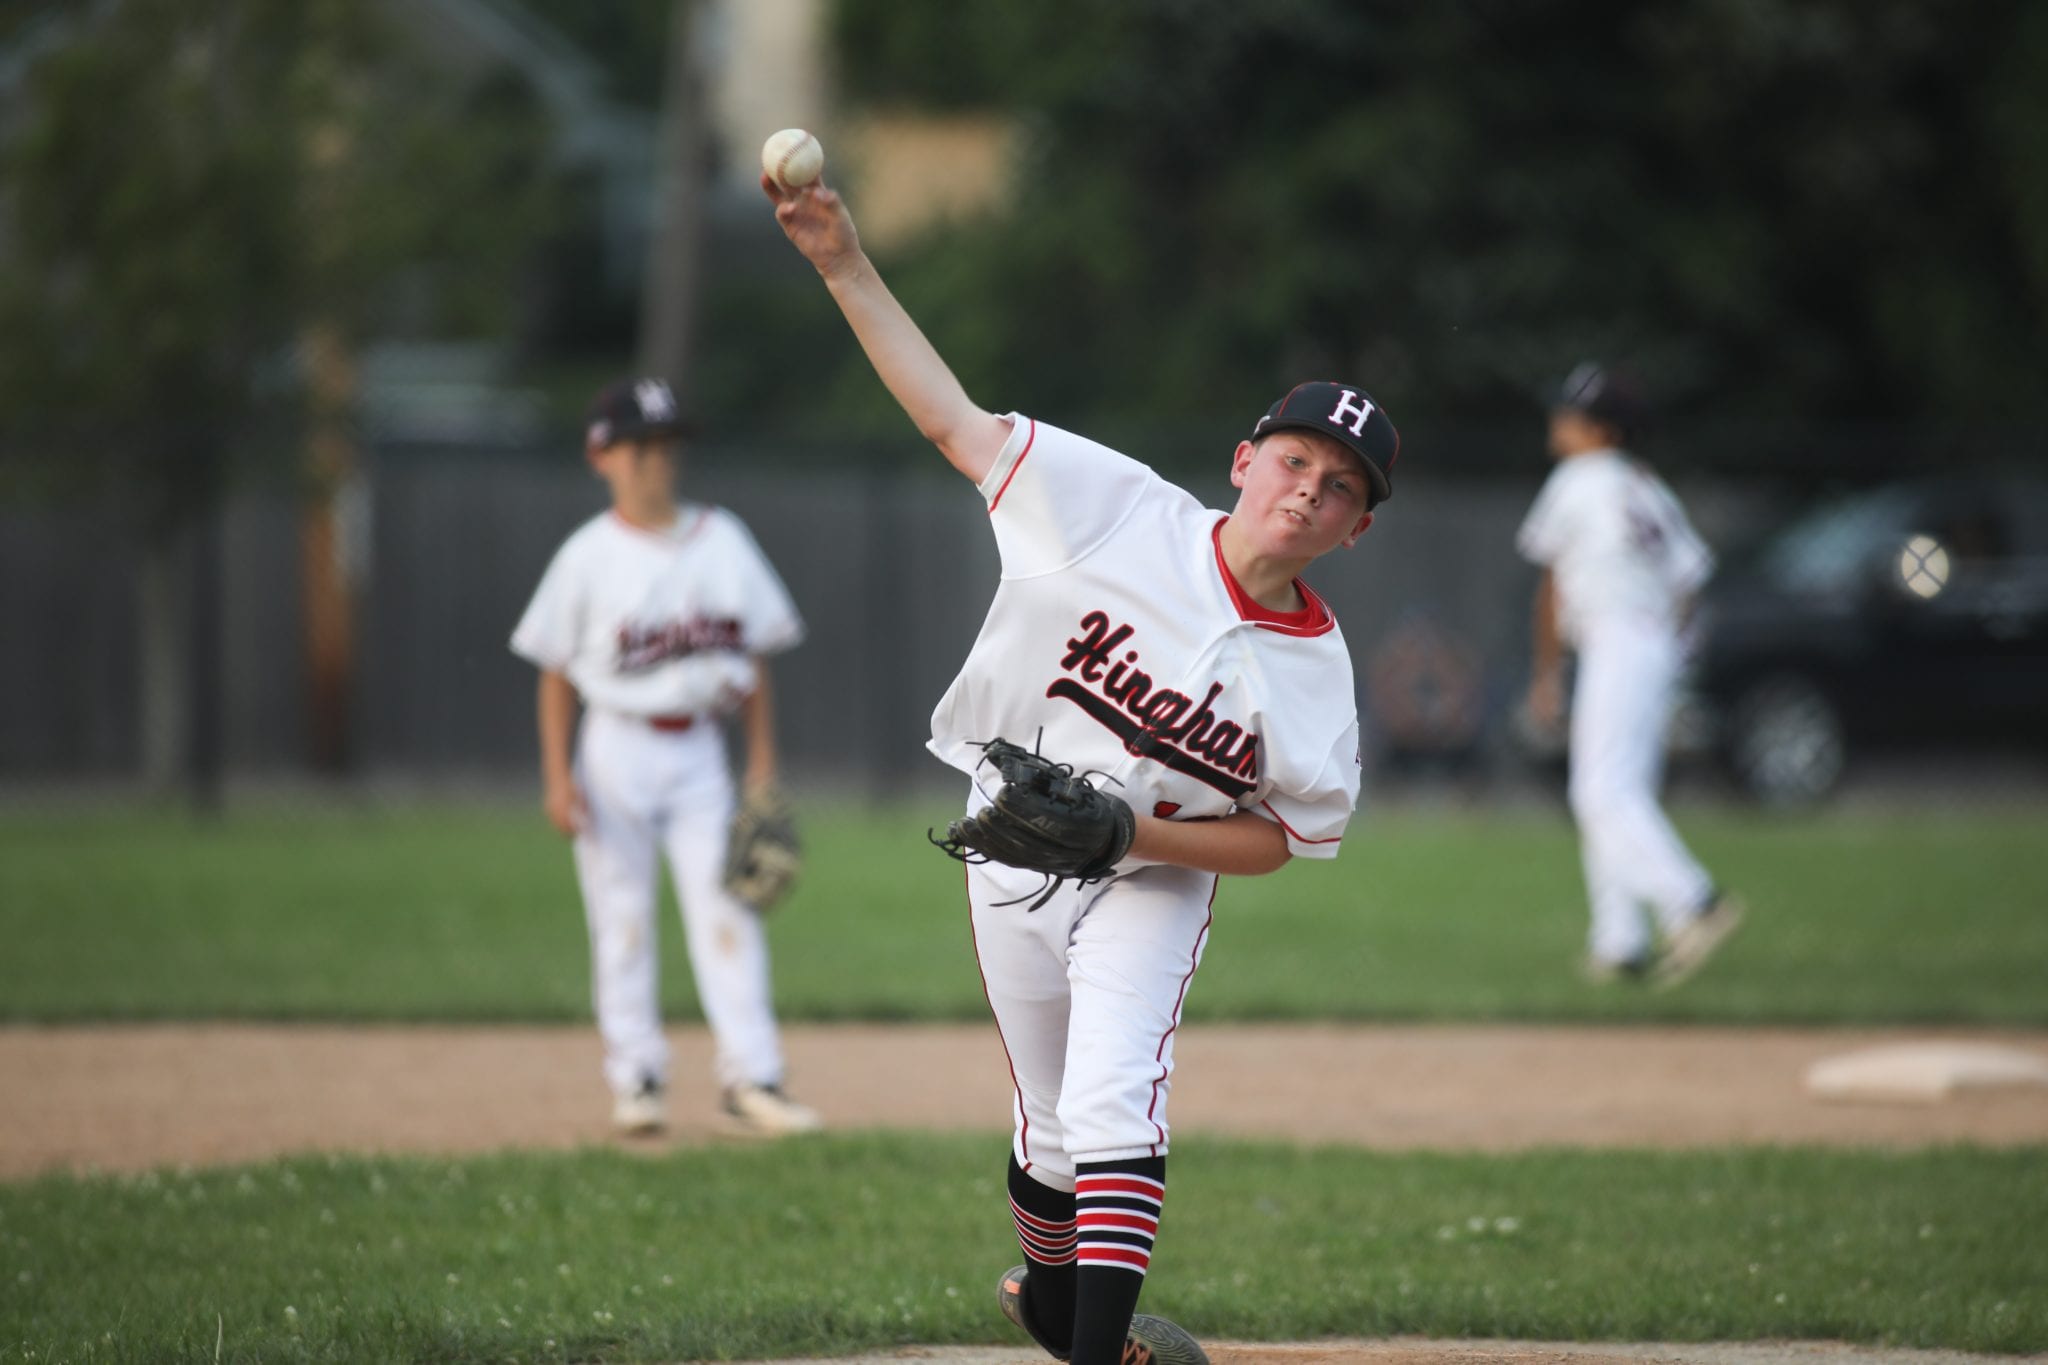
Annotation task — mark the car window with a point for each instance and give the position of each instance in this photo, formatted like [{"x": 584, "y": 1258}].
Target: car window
[
  {"x": 2026, "y": 508},
  {"x": 1974, "y": 533},
  {"x": 1831, "y": 547}
]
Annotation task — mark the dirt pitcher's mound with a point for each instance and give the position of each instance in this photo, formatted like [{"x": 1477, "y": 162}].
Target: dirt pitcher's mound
[
  {"x": 124, "y": 1098},
  {"x": 1416, "y": 1351}
]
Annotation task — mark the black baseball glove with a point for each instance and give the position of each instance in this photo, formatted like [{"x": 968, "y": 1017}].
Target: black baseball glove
[
  {"x": 1045, "y": 819},
  {"x": 764, "y": 856}
]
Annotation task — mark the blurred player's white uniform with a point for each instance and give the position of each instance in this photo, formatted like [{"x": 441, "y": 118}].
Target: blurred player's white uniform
[
  {"x": 1119, "y": 643},
  {"x": 659, "y": 630},
  {"x": 1626, "y": 564}
]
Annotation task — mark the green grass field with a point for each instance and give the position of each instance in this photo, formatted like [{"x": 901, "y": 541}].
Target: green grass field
[
  {"x": 851, "y": 1243},
  {"x": 471, "y": 914}
]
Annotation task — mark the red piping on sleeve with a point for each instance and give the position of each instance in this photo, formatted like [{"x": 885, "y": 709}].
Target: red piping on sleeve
[
  {"x": 1267, "y": 807},
  {"x": 1029, "y": 437}
]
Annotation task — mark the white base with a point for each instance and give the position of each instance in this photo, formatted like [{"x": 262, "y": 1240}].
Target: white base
[{"x": 1923, "y": 1073}]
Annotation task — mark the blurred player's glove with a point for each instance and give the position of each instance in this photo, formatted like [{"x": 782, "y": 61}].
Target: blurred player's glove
[
  {"x": 763, "y": 856},
  {"x": 1045, "y": 819}
]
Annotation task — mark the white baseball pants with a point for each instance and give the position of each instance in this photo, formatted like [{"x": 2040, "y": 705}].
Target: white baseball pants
[
  {"x": 1621, "y": 708},
  {"x": 1087, "y": 992},
  {"x": 651, "y": 793}
]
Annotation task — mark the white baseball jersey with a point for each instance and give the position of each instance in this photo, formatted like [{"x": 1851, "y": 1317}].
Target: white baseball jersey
[
  {"x": 1616, "y": 540},
  {"x": 659, "y": 623},
  {"x": 1119, "y": 643}
]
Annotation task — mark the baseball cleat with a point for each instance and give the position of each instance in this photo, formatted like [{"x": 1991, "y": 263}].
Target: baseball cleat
[
  {"x": 1010, "y": 1298},
  {"x": 766, "y": 1110},
  {"x": 1155, "y": 1341},
  {"x": 1606, "y": 971},
  {"x": 1152, "y": 1340},
  {"x": 1697, "y": 940},
  {"x": 641, "y": 1113}
]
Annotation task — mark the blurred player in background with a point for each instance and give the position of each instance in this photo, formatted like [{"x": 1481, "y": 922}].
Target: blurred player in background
[
  {"x": 657, "y": 615},
  {"x": 1621, "y": 567}
]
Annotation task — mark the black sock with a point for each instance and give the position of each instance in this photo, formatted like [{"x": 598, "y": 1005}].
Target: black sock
[
  {"x": 1116, "y": 1215},
  {"x": 1045, "y": 1230}
]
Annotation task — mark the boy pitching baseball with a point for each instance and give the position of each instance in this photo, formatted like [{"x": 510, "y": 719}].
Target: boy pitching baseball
[
  {"x": 1173, "y": 655},
  {"x": 1621, "y": 564},
  {"x": 658, "y": 616}
]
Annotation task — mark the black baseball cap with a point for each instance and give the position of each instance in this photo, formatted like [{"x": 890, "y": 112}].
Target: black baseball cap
[
  {"x": 1346, "y": 414},
  {"x": 632, "y": 410},
  {"x": 1605, "y": 395}
]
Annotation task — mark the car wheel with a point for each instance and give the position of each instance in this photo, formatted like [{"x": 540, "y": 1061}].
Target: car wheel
[{"x": 1785, "y": 742}]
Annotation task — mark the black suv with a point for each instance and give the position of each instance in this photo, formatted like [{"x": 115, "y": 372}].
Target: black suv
[{"x": 1914, "y": 613}]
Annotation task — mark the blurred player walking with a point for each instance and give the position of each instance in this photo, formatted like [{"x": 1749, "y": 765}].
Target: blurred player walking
[
  {"x": 658, "y": 615},
  {"x": 1622, "y": 565}
]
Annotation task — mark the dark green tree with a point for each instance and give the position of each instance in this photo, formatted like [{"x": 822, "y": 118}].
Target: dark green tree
[
  {"x": 627, "y": 38},
  {"x": 1817, "y": 209},
  {"x": 205, "y": 209}
]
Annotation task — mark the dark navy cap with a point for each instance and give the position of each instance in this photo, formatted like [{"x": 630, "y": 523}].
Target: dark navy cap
[
  {"x": 632, "y": 410},
  {"x": 1605, "y": 395},
  {"x": 1345, "y": 413}
]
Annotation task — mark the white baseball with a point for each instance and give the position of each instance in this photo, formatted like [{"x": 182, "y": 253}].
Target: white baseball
[{"x": 792, "y": 158}]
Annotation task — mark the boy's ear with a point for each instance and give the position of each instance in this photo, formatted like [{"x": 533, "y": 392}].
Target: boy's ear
[
  {"x": 1363, "y": 522},
  {"x": 1241, "y": 461}
]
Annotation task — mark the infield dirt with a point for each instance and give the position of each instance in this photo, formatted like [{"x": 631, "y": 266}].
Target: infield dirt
[
  {"x": 1412, "y": 1351},
  {"x": 127, "y": 1097}
]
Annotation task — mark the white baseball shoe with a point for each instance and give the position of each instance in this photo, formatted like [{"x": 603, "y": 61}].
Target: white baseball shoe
[
  {"x": 643, "y": 1112},
  {"x": 766, "y": 1110},
  {"x": 1693, "y": 942}
]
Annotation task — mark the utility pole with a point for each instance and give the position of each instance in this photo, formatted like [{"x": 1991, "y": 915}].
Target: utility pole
[{"x": 673, "y": 278}]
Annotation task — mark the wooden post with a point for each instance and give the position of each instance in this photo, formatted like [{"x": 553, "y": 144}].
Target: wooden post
[
  {"x": 327, "y": 594},
  {"x": 673, "y": 276}
]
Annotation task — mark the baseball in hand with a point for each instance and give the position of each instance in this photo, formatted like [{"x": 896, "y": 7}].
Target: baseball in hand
[{"x": 792, "y": 158}]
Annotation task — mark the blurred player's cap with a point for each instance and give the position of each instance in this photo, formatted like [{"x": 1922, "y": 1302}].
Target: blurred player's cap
[
  {"x": 1605, "y": 395},
  {"x": 1346, "y": 414},
  {"x": 631, "y": 410}
]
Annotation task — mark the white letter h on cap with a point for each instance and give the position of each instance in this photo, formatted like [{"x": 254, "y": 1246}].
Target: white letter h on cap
[
  {"x": 1349, "y": 404},
  {"x": 656, "y": 403}
]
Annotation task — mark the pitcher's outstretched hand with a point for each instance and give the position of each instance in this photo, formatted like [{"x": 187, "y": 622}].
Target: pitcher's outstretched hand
[{"x": 815, "y": 220}]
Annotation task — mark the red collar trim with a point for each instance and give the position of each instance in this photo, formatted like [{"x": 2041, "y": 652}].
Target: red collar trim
[{"x": 1313, "y": 618}]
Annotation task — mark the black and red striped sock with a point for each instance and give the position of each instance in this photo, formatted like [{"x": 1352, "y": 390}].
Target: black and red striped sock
[
  {"x": 1045, "y": 1230},
  {"x": 1116, "y": 1217}
]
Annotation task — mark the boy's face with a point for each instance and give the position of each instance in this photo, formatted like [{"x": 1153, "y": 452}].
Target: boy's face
[
  {"x": 1300, "y": 494},
  {"x": 639, "y": 471},
  {"x": 1574, "y": 433}
]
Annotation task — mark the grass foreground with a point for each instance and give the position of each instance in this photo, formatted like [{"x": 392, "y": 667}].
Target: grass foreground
[
  {"x": 862, "y": 1242},
  {"x": 471, "y": 913}
]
